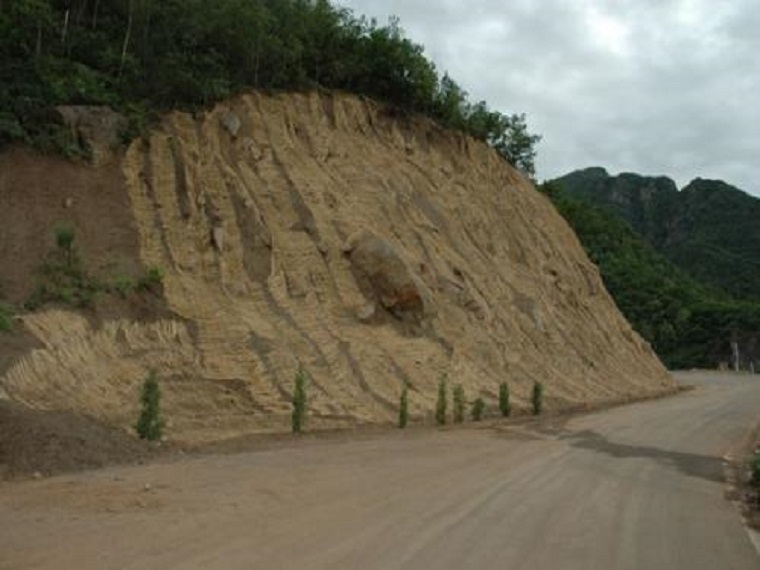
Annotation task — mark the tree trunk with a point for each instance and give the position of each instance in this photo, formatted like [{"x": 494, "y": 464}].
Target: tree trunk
[
  {"x": 65, "y": 30},
  {"x": 735, "y": 354},
  {"x": 95, "y": 14},
  {"x": 256, "y": 61},
  {"x": 38, "y": 47},
  {"x": 127, "y": 35}
]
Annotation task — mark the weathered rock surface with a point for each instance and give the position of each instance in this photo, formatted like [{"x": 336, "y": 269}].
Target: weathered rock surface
[
  {"x": 97, "y": 129},
  {"x": 312, "y": 230},
  {"x": 385, "y": 278}
]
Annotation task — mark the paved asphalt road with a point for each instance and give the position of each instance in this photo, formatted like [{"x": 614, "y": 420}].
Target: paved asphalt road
[{"x": 637, "y": 487}]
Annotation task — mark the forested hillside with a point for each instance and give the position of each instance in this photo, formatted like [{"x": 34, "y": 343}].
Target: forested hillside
[
  {"x": 710, "y": 229},
  {"x": 689, "y": 322},
  {"x": 146, "y": 56}
]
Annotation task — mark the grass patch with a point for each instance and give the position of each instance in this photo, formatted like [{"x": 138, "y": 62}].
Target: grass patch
[
  {"x": 123, "y": 286},
  {"x": 63, "y": 278},
  {"x": 153, "y": 278}
]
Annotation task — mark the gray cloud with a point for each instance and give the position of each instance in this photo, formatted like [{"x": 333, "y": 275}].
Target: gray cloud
[{"x": 648, "y": 86}]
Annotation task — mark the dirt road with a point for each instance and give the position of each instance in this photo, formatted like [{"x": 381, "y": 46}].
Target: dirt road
[{"x": 637, "y": 487}]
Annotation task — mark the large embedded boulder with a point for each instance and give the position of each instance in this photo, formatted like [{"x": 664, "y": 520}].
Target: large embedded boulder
[{"x": 386, "y": 278}]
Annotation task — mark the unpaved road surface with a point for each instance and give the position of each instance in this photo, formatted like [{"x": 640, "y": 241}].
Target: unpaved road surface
[{"x": 637, "y": 487}]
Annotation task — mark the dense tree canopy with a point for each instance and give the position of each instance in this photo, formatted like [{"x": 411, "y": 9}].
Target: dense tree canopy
[
  {"x": 709, "y": 229},
  {"x": 150, "y": 55},
  {"x": 688, "y": 323}
]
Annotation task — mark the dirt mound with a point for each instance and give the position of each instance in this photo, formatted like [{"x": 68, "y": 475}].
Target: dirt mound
[
  {"x": 252, "y": 211},
  {"x": 46, "y": 443}
]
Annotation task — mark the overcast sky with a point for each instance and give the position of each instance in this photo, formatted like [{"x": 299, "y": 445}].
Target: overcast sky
[{"x": 649, "y": 86}]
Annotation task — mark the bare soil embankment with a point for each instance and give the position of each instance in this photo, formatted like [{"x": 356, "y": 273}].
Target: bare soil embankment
[{"x": 321, "y": 231}]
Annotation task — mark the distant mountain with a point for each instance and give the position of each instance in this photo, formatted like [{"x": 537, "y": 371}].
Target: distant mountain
[
  {"x": 689, "y": 321},
  {"x": 709, "y": 229}
]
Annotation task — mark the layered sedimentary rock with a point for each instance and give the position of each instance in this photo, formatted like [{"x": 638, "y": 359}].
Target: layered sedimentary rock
[{"x": 320, "y": 231}]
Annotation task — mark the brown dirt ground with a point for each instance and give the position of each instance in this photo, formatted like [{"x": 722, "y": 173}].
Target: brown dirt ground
[
  {"x": 48, "y": 443},
  {"x": 637, "y": 487},
  {"x": 35, "y": 443},
  {"x": 38, "y": 193}
]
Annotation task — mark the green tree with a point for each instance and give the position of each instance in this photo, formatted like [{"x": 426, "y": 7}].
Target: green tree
[
  {"x": 458, "y": 404},
  {"x": 688, "y": 323},
  {"x": 478, "y": 408},
  {"x": 299, "y": 403},
  {"x": 63, "y": 278},
  {"x": 512, "y": 140},
  {"x": 150, "y": 424},
  {"x": 504, "y": 405},
  {"x": 64, "y": 239},
  {"x": 441, "y": 402},
  {"x": 450, "y": 103},
  {"x": 538, "y": 398},
  {"x": 403, "y": 410},
  {"x": 141, "y": 55},
  {"x": 6, "y": 317}
]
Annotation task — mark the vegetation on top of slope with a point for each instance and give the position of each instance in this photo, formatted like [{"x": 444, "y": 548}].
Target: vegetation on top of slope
[
  {"x": 688, "y": 323},
  {"x": 709, "y": 229},
  {"x": 144, "y": 56}
]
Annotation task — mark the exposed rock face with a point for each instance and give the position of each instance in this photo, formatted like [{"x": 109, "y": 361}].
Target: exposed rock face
[
  {"x": 319, "y": 231},
  {"x": 384, "y": 277},
  {"x": 97, "y": 128}
]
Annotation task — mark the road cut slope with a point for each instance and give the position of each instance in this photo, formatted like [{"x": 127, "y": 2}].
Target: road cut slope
[{"x": 316, "y": 230}]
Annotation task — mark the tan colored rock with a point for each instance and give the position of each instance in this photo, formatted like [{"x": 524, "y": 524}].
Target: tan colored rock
[
  {"x": 384, "y": 276},
  {"x": 366, "y": 313},
  {"x": 467, "y": 269},
  {"x": 231, "y": 122}
]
